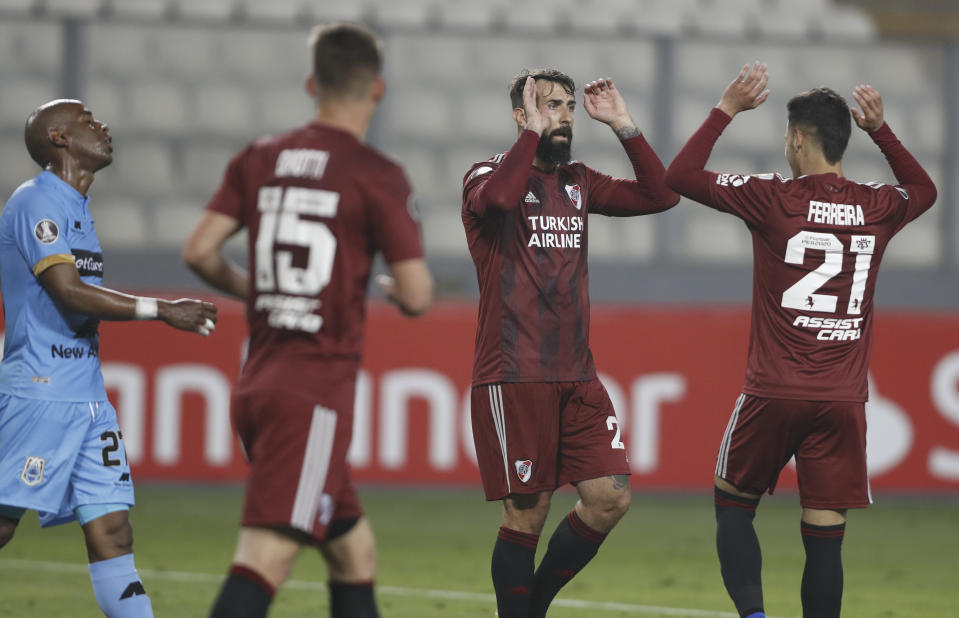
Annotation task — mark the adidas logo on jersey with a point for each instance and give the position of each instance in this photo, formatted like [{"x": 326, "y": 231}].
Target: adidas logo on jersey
[{"x": 531, "y": 199}]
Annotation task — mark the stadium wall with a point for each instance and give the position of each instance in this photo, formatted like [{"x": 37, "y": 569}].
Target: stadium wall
[{"x": 673, "y": 374}]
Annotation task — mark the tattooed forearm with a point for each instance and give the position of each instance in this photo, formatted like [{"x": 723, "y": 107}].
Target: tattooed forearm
[
  {"x": 624, "y": 133},
  {"x": 620, "y": 481}
]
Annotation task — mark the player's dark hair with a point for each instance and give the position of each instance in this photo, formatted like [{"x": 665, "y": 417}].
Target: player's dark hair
[
  {"x": 551, "y": 75},
  {"x": 824, "y": 114},
  {"x": 346, "y": 57}
]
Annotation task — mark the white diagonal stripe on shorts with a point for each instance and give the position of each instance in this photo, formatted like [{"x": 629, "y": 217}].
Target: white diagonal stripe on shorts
[
  {"x": 316, "y": 466},
  {"x": 502, "y": 422},
  {"x": 723, "y": 457},
  {"x": 499, "y": 421}
]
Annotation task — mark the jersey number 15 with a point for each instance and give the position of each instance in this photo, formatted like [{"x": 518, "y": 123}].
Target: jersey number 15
[{"x": 282, "y": 229}]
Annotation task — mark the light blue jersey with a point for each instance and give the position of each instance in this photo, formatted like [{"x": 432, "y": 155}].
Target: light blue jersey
[
  {"x": 61, "y": 447},
  {"x": 48, "y": 353}
]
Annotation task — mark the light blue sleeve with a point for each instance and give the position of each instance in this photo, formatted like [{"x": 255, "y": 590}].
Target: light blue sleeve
[{"x": 39, "y": 231}]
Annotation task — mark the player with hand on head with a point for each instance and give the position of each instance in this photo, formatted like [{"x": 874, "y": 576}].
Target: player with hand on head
[
  {"x": 319, "y": 204},
  {"x": 818, "y": 239},
  {"x": 541, "y": 417},
  {"x": 61, "y": 448}
]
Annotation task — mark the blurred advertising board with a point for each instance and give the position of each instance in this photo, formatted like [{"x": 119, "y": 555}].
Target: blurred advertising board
[{"x": 673, "y": 374}]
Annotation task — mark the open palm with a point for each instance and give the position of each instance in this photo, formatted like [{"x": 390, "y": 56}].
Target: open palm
[{"x": 604, "y": 102}]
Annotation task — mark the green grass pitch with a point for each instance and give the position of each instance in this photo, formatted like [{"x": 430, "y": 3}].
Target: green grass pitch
[{"x": 434, "y": 549}]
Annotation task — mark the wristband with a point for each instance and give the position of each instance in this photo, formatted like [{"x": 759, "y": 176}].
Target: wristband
[{"x": 146, "y": 308}]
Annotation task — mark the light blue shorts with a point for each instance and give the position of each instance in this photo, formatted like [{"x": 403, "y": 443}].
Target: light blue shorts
[{"x": 57, "y": 455}]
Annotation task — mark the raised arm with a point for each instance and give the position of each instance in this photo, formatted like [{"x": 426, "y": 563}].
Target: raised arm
[
  {"x": 687, "y": 174},
  {"x": 503, "y": 188},
  {"x": 620, "y": 197},
  {"x": 63, "y": 283},
  {"x": 909, "y": 173}
]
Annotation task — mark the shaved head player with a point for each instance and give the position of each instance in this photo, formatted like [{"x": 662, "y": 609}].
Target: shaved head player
[{"x": 61, "y": 448}]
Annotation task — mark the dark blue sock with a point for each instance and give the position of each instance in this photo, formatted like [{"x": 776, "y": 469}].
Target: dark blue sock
[
  {"x": 571, "y": 547},
  {"x": 822, "y": 578},
  {"x": 352, "y": 600},
  {"x": 245, "y": 594},
  {"x": 740, "y": 557},
  {"x": 512, "y": 568}
]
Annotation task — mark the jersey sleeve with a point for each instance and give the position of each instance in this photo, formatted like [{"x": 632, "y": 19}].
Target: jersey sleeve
[
  {"x": 916, "y": 192},
  {"x": 39, "y": 232},
  {"x": 474, "y": 180},
  {"x": 621, "y": 197},
  {"x": 230, "y": 197},
  {"x": 395, "y": 230},
  {"x": 747, "y": 197},
  {"x": 500, "y": 186}
]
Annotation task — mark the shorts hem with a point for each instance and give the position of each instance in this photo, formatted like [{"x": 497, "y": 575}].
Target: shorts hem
[
  {"x": 526, "y": 492},
  {"x": 589, "y": 476},
  {"x": 276, "y": 524},
  {"x": 33, "y": 507},
  {"x": 834, "y": 506},
  {"x": 492, "y": 381},
  {"x": 804, "y": 396}
]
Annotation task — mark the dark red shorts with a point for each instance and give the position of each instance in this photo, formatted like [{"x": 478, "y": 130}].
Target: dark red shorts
[
  {"x": 297, "y": 446},
  {"x": 828, "y": 440},
  {"x": 537, "y": 436}
]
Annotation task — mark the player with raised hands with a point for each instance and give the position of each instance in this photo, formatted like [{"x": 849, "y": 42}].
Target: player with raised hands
[
  {"x": 541, "y": 417},
  {"x": 818, "y": 240}
]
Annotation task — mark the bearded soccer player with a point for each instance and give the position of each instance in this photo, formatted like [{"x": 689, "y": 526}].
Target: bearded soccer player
[
  {"x": 61, "y": 448},
  {"x": 818, "y": 239},
  {"x": 541, "y": 417},
  {"x": 318, "y": 204}
]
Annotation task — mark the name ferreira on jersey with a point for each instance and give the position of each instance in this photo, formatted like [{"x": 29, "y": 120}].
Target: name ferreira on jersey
[
  {"x": 835, "y": 214},
  {"x": 555, "y": 232}
]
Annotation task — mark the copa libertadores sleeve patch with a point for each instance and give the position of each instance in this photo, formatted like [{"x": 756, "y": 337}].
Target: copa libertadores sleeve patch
[{"x": 46, "y": 231}]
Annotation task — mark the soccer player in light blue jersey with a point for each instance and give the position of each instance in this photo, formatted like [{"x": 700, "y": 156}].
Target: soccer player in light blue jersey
[{"x": 61, "y": 449}]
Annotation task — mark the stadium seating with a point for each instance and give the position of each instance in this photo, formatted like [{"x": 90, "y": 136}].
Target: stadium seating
[
  {"x": 185, "y": 83},
  {"x": 125, "y": 222},
  {"x": 138, "y": 9}
]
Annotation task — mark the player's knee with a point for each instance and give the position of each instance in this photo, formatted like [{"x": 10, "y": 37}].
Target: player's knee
[
  {"x": 109, "y": 536},
  {"x": 608, "y": 507},
  {"x": 616, "y": 503},
  {"x": 122, "y": 538},
  {"x": 351, "y": 556},
  {"x": 528, "y": 506},
  {"x": 358, "y": 565},
  {"x": 7, "y": 528},
  {"x": 622, "y": 501}
]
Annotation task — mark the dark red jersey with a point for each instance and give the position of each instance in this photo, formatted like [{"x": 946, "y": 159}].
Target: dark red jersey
[
  {"x": 318, "y": 204},
  {"x": 818, "y": 241},
  {"x": 527, "y": 234}
]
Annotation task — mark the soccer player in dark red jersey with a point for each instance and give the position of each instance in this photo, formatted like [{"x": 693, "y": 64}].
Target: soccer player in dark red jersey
[
  {"x": 541, "y": 417},
  {"x": 318, "y": 204},
  {"x": 818, "y": 239}
]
